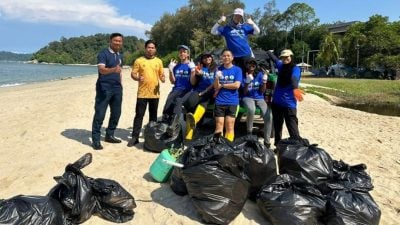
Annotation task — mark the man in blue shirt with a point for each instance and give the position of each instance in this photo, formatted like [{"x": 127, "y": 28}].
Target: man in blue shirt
[
  {"x": 108, "y": 91},
  {"x": 236, "y": 35}
]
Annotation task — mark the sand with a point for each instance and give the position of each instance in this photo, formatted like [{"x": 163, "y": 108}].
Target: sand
[{"x": 47, "y": 125}]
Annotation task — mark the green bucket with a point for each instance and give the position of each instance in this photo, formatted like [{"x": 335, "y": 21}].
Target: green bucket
[{"x": 160, "y": 170}]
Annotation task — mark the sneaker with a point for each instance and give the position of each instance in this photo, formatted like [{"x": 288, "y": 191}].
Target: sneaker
[
  {"x": 133, "y": 142},
  {"x": 191, "y": 120}
]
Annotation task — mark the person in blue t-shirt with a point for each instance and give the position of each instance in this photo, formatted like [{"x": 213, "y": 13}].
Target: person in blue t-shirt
[
  {"x": 226, "y": 85},
  {"x": 108, "y": 91},
  {"x": 286, "y": 95},
  {"x": 254, "y": 86},
  {"x": 236, "y": 35},
  {"x": 182, "y": 76},
  {"x": 202, "y": 93}
]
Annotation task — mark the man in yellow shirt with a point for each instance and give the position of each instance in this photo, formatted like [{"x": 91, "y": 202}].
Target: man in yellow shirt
[{"x": 147, "y": 70}]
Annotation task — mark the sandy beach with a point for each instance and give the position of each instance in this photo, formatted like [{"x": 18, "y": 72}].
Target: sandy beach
[{"x": 47, "y": 125}]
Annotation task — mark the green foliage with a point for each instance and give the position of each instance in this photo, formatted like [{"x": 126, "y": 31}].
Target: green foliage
[
  {"x": 377, "y": 41},
  {"x": 330, "y": 50},
  {"x": 84, "y": 49},
  {"x": 167, "y": 58},
  {"x": 14, "y": 56},
  {"x": 376, "y": 96},
  {"x": 191, "y": 26}
]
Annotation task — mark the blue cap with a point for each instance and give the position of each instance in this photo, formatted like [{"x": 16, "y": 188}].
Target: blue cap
[{"x": 184, "y": 47}]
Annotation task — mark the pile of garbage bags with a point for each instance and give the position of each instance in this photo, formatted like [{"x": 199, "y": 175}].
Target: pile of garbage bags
[
  {"x": 73, "y": 200},
  {"x": 219, "y": 176},
  {"x": 311, "y": 188}
]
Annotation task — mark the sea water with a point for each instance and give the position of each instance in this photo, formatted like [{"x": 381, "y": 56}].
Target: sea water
[{"x": 18, "y": 73}]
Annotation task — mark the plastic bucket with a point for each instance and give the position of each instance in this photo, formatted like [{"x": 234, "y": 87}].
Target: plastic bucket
[{"x": 159, "y": 170}]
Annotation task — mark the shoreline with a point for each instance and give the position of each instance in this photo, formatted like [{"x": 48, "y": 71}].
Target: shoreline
[{"x": 47, "y": 125}]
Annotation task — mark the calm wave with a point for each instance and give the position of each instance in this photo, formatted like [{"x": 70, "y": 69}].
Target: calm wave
[{"x": 18, "y": 73}]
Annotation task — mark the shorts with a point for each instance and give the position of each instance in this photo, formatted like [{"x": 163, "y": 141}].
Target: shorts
[{"x": 226, "y": 110}]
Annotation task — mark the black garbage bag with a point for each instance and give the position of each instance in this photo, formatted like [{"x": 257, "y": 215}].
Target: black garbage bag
[
  {"x": 289, "y": 201},
  {"x": 74, "y": 191},
  {"x": 31, "y": 210},
  {"x": 354, "y": 177},
  {"x": 350, "y": 207},
  {"x": 156, "y": 137},
  {"x": 82, "y": 196},
  {"x": 310, "y": 163},
  {"x": 261, "y": 164},
  {"x": 177, "y": 184},
  {"x": 115, "y": 204},
  {"x": 215, "y": 179}
]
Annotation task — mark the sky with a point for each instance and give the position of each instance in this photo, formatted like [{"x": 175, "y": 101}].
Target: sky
[{"x": 28, "y": 25}]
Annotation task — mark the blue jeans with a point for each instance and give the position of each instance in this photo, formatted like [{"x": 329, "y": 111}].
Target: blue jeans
[{"x": 105, "y": 98}]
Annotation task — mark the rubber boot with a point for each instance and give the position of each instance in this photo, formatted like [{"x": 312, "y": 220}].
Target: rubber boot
[
  {"x": 230, "y": 136},
  {"x": 196, "y": 116},
  {"x": 192, "y": 120},
  {"x": 173, "y": 128}
]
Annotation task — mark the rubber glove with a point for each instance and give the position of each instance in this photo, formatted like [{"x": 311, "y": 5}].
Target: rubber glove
[
  {"x": 219, "y": 75},
  {"x": 249, "y": 78},
  {"x": 171, "y": 65},
  {"x": 250, "y": 21},
  {"x": 222, "y": 19},
  {"x": 192, "y": 66},
  {"x": 298, "y": 94},
  {"x": 265, "y": 76}
]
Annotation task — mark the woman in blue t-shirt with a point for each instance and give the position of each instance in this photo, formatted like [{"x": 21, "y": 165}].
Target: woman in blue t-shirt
[
  {"x": 180, "y": 75},
  {"x": 254, "y": 86},
  {"x": 226, "y": 84},
  {"x": 286, "y": 95},
  {"x": 202, "y": 93}
]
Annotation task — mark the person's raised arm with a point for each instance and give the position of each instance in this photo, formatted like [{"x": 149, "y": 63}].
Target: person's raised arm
[
  {"x": 214, "y": 29},
  {"x": 171, "y": 67},
  {"x": 271, "y": 54},
  {"x": 249, "y": 78},
  {"x": 254, "y": 25}
]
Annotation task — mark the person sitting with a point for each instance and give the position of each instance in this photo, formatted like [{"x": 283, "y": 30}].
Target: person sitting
[
  {"x": 226, "y": 85},
  {"x": 203, "y": 92},
  {"x": 254, "y": 86},
  {"x": 182, "y": 76}
]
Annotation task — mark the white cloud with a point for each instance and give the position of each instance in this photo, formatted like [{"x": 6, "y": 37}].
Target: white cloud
[{"x": 76, "y": 12}]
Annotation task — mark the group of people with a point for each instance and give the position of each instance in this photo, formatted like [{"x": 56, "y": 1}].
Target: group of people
[{"x": 237, "y": 79}]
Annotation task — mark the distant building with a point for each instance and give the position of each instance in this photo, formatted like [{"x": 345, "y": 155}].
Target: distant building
[{"x": 340, "y": 28}]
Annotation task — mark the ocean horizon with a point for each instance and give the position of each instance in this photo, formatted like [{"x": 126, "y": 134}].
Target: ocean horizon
[{"x": 15, "y": 73}]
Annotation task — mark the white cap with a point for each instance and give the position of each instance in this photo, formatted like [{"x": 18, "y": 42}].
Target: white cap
[
  {"x": 238, "y": 11},
  {"x": 286, "y": 53}
]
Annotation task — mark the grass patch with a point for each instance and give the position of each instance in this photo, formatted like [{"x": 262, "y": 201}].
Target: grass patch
[{"x": 359, "y": 92}]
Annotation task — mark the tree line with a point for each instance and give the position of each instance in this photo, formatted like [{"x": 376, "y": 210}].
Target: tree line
[
  {"x": 14, "y": 56},
  {"x": 84, "y": 49},
  {"x": 371, "y": 44}
]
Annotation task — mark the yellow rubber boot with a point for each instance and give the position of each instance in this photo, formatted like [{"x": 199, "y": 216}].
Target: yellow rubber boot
[
  {"x": 196, "y": 116},
  {"x": 230, "y": 136},
  {"x": 189, "y": 131},
  {"x": 192, "y": 119}
]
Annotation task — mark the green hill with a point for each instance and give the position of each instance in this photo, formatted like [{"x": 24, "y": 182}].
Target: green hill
[
  {"x": 84, "y": 49},
  {"x": 10, "y": 56}
]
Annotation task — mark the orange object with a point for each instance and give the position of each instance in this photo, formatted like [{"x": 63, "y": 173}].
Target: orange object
[{"x": 298, "y": 94}]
